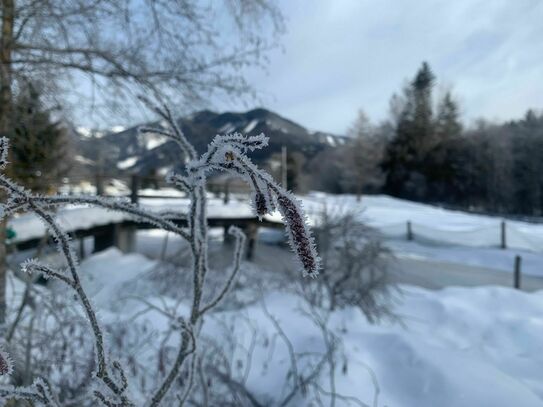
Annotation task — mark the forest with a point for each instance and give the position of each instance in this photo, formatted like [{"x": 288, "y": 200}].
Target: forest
[{"x": 425, "y": 152}]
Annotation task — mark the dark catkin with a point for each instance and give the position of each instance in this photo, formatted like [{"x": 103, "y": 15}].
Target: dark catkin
[
  {"x": 300, "y": 237},
  {"x": 6, "y": 365},
  {"x": 260, "y": 203}
]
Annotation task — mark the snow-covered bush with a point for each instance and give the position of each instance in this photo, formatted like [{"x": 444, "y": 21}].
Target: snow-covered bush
[{"x": 109, "y": 379}]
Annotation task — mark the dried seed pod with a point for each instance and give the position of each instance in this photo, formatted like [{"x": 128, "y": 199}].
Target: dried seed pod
[
  {"x": 4, "y": 148},
  {"x": 301, "y": 240},
  {"x": 260, "y": 204},
  {"x": 6, "y": 364}
]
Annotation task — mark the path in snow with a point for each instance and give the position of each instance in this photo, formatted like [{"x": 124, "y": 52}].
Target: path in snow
[
  {"x": 436, "y": 275},
  {"x": 420, "y": 271}
]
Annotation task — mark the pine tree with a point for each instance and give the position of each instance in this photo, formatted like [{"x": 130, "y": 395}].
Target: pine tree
[
  {"x": 447, "y": 124},
  {"x": 415, "y": 136},
  {"x": 444, "y": 162},
  {"x": 39, "y": 144},
  {"x": 422, "y": 131}
]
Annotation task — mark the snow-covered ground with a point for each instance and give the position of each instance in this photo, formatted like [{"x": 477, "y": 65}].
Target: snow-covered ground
[
  {"x": 453, "y": 347},
  {"x": 467, "y": 347},
  {"x": 431, "y": 224},
  {"x": 441, "y": 234}
]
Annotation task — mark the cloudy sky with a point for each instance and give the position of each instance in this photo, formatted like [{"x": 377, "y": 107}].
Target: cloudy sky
[{"x": 344, "y": 55}]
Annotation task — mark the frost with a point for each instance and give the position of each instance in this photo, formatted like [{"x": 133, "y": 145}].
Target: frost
[
  {"x": 225, "y": 153},
  {"x": 6, "y": 364},
  {"x": 301, "y": 240}
]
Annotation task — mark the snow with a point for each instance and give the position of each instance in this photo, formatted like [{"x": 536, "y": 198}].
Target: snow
[
  {"x": 227, "y": 128},
  {"x": 118, "y": 129},
  {"x": 84, "y": 131},
  {"x": 467, "y": 347},
  {"x": 154, "y": 142},
  {"x": 127, "y": 163},
  {"x": 105, "y": 273},
  {"x": 28, "y": 226},
  {"x": 252, "y": 124},
  {"x": 431, "y": 224},
  {"x": 83, "y": 160}
]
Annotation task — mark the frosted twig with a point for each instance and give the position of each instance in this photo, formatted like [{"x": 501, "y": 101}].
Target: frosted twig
[
  {"x": 175, "y": 132},
  {"x": 225, "y": 153},
  {"x": 238, "y": 255}
]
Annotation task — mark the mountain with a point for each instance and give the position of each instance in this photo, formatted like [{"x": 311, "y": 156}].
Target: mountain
[{"x": 127, "y": 152}]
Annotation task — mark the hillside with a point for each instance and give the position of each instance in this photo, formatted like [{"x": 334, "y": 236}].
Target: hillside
[{"x": 129, "y": 152}]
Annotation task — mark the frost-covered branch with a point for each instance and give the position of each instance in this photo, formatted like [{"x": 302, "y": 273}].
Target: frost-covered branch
[
  {"x": 225, "y": 153},
  {"x": 40, "y": 392},
  {"x": 238, "y": 255}
]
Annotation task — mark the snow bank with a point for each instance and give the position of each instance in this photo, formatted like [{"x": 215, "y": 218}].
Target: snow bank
[
  {"x": 467, "y": 347},
  {"x": 458, "y": 347}
]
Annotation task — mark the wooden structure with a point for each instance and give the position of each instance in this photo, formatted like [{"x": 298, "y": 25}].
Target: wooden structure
[{"x": 123, "y": 234}]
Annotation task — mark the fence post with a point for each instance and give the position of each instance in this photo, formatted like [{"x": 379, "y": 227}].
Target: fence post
[
  {"x": 81, "y": 248},
  {"x": 99, "y": 183},
  {"x": 503, "y": 235},
  {"x": 134, "y": 188},
  {"x": 226, "y": 197},
  {"x": 409, "y": 231},
  {"x": 518, "y": 263}
]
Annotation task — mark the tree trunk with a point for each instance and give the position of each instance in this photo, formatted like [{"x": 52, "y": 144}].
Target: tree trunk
[{"x": 6, "y": 46}]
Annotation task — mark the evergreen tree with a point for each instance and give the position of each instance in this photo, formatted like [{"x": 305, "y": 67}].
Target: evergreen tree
[
  {"x": 443, "y": 164},
  {"x": 527, "y": 148},
  {"x": 414, "y": 137},
  {"x": 39, "y": 144},
  {"x": 421, "y": 120},
  {"x": 448, "y": 124}
]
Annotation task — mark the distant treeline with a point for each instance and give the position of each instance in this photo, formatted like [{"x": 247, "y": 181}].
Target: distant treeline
[{"x": 424, "y": 153}]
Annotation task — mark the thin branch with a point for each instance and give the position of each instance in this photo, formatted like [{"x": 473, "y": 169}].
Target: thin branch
[{"x": 238, "y": 255}]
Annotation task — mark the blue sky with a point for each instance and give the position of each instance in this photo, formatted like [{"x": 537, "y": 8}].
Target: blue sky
[{"x": 344, "y": 55}]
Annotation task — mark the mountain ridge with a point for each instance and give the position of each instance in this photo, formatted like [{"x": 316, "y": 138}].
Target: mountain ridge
[{"x": 128, "y": 152}]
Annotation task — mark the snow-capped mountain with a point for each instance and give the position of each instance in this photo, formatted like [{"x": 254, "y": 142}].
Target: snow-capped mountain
[{"x": 127, "y": 151}]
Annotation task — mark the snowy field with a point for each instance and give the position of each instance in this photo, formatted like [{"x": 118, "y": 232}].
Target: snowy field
[
  {"x": 442, "y": 235},
  {"x": 467, "y": 347}
]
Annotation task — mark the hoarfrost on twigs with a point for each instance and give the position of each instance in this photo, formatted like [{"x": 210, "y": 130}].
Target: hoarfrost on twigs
[
  {"x": 225, "y": 153},
  {"x": 6, "y": 364}
]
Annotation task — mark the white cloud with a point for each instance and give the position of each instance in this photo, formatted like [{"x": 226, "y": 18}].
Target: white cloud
[{"x": 340, "y": 56}]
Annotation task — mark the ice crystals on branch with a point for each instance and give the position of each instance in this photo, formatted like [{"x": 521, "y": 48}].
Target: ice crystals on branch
[
  {"x": 4, "y": 148},
  {"x": 6, "y": 364},
  {"x": 225, "y": 153},
  {"x": 228, "y": 153}
]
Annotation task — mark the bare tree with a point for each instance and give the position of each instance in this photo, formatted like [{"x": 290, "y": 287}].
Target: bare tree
[
  {"x": 114, "y": 48},
  {"x": 364, "y": 154}
]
